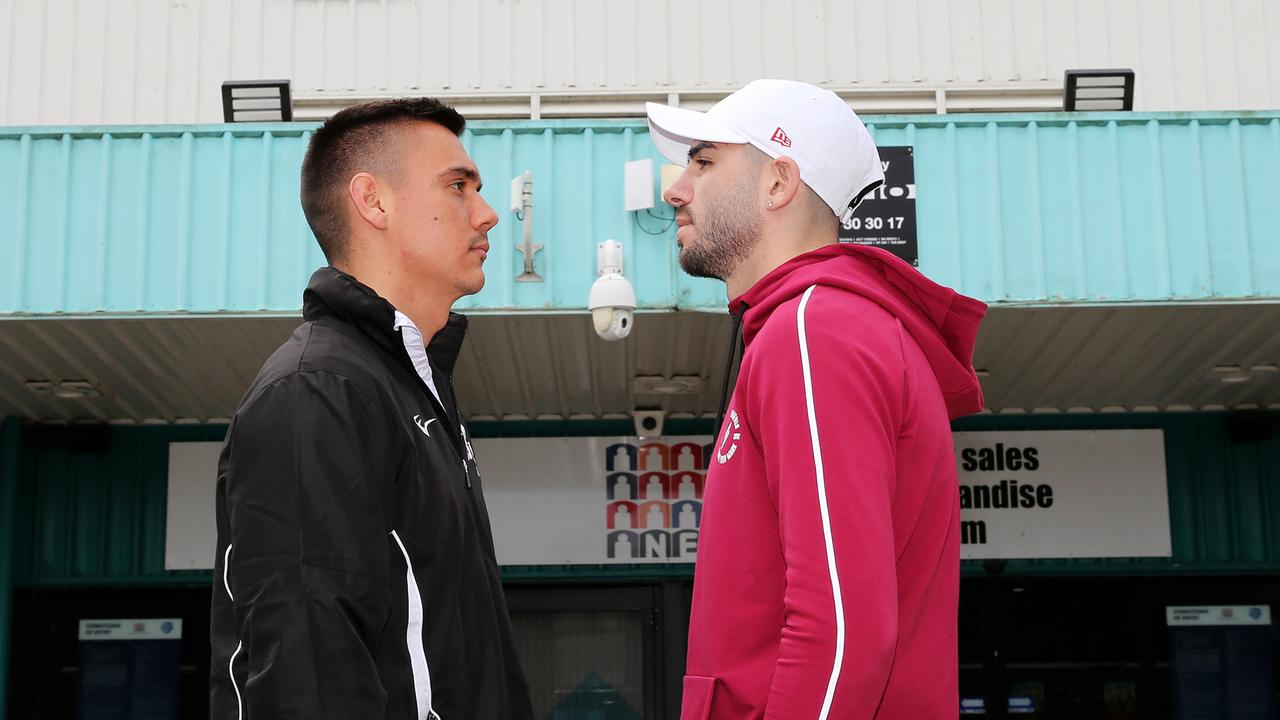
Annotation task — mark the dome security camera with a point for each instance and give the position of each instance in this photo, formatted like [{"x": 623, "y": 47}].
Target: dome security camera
[
  {"x": 612, "y": 323},
  {"x": 612, "y": 300}
]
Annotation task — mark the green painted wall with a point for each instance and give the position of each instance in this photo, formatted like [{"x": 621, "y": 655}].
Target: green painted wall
[{"x": 90, "y": 504}]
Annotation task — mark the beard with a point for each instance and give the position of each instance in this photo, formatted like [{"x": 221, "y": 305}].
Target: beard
[{"x": 728, "y": 230}]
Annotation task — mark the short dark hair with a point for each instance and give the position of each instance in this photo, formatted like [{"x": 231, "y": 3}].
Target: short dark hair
[{"x": 349, "y": 143}]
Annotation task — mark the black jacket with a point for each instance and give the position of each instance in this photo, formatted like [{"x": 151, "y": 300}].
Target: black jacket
[{"x": 355, "y": 573}]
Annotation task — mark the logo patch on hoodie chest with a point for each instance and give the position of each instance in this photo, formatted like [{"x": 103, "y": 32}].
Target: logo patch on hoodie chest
[{"x": 729, "y": 437}]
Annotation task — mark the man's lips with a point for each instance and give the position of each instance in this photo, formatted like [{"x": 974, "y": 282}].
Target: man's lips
[
  {"x": 482, "y": 248},
  {"x": 682, "y": 222}
]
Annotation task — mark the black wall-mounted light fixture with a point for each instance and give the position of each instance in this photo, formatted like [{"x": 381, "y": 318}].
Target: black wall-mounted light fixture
[
  {"x": 256, "y": 101},
  {"x": 1098, "y": 90}
]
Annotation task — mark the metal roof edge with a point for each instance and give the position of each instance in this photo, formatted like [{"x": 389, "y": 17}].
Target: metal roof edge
[{"x": 489, "y": 126}]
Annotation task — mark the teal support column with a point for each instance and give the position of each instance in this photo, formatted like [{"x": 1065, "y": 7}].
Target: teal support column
[{"x": 10, "y": 455}]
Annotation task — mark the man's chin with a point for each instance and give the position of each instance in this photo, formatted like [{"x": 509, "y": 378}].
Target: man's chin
[
  {"x": 695, "y": 265},
  {"x": 471, "y": 284}
]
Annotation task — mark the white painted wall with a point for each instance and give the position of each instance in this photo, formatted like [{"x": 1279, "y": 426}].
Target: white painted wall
[{"x": 163, "y": 61}]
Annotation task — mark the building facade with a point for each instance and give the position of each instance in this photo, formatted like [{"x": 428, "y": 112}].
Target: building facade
[{"x": 155, "y": 256}]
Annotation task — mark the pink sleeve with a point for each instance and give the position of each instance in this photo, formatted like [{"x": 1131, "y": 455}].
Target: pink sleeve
[{"x": 826, "y": 399}]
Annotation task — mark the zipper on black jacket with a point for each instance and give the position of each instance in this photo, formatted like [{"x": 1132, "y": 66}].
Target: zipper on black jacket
[
  {"x": 734, "y": 345},
  {"x": 464, "y": 453},
  {"x": 464, "y": 446},
  {"x": 460, "y": 439}
]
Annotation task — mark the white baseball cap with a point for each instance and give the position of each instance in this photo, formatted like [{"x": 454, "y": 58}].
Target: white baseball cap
[{"x": 812, "y": 126}]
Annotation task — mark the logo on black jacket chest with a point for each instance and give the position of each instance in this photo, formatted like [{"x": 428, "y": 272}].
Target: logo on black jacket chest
[{"x": 423, "y": 425}]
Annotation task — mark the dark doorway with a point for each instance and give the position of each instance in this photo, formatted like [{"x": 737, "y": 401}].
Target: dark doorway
[
  {"x": 45, "y": 646},
  {"x": 1060, "y": 648}
]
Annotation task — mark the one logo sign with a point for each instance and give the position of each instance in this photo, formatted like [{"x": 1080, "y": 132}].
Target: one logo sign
[
  {"x": 423, "y": 424},
  {"x": 653, "y": 500},
  {"x": 1255, "y": 613},
  {"x": 780, "y": 137},
  {"x": 139, "y": 627},
  {"x": 728, "y": 445},
  {"x": 166, "y": 627}
]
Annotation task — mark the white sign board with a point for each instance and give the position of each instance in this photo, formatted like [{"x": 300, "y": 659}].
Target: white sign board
[
  {"x": 191, "y": 532},
  {"x": 606, "y": 500},
  {"x": 1062, "y": 494}
]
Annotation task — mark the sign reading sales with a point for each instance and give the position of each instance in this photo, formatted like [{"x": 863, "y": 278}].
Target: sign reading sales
[{"x": 1063, "y": 493}]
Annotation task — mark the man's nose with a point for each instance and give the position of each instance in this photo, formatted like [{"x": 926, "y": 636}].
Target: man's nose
[
  {"x": 680, "y": 192},
  {"x": 487, "y": 218}
]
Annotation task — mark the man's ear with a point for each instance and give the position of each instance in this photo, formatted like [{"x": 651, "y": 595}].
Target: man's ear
[
  {"x": 364, "y": 191},
  {"x": 783, "y": 179}
]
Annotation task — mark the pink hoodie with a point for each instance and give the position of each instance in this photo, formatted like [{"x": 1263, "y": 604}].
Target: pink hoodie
[{"x": 828, "y": 572}]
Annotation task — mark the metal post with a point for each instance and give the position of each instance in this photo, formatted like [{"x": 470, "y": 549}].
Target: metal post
[
  {"x": 528, "y": 247},
  {"x": 994, "y": 597},
  {"x": 10, "y": 454}
]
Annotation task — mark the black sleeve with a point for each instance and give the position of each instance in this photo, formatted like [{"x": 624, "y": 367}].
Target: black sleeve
[{"x": 302, "y": 565}]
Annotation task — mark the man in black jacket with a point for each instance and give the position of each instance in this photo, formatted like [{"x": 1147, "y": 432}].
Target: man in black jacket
[{"x": 355, "y": 572}]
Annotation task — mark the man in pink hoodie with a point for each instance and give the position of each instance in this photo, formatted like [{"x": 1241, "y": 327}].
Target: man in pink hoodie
[{"x": 828, "y": 570}]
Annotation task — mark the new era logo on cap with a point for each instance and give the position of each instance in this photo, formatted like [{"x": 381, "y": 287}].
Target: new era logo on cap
[{"x": 780, "y": 137}]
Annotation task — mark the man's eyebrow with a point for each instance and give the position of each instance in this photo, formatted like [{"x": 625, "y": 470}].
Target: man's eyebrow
[
  {"x": 699, "y": 147},
  {"x": 462, "y": 171}
]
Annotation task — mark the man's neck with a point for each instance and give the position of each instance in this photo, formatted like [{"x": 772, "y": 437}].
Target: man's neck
[
  {"x": 774, "y": 249},
  {"x": 427, "y": 307},
  {"x": 429, "y": 320}
]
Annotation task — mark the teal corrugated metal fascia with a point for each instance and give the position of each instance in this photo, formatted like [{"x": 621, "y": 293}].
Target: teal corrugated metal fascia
[
  {"x": 1081, "y": 207},
  {"x": 1097, "y": 207},
  {"x": 153, "y": 219},
  {"x": 1012, "y": 208}
]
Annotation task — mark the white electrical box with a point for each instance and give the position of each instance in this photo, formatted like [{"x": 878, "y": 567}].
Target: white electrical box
[
  {"x": 638, "y": 181},
  {"x": 517, "y": 191}
]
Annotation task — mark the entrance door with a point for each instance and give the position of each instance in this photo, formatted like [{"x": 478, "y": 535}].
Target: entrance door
[{"x": 596, "y": 653}]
